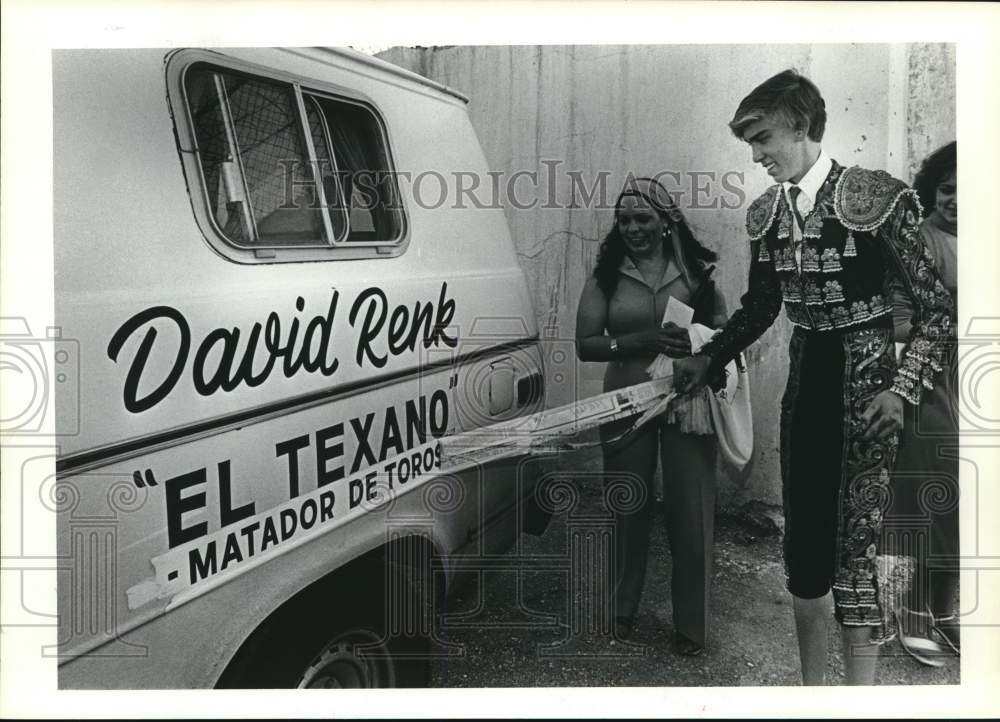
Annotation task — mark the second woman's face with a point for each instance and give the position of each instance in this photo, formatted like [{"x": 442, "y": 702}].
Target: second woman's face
[
  {"x": 640, "y": 227},
  {"x": 946, "y": 201}
]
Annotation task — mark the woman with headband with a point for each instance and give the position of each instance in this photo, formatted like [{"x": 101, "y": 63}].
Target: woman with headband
[{"x": 649, "y": 256}]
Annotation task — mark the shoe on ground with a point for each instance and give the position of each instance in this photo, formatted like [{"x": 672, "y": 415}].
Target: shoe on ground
[
  {"x": 624, "y": 626},
  {"x": 686, "y": 646}
]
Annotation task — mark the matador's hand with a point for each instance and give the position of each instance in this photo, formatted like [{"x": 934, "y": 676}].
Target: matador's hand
[
  {"x": 883, "y": 417},
  {"x": 690, "y": 373}
]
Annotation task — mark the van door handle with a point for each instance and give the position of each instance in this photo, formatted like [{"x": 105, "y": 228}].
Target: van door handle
[{"x": 501, "y": 386}]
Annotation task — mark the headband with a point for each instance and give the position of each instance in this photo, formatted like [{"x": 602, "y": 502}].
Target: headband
[{"x": 654, "y": 194}]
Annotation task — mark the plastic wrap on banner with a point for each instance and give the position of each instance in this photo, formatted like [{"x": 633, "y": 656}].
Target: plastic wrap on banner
[{"x": 551, "y": 430}]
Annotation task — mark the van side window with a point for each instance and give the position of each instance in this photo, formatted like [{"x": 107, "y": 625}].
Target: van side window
[{"x": 284, "y": 167}]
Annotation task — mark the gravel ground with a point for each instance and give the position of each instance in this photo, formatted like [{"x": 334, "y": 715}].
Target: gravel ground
[{"x": 534, "y": 627}]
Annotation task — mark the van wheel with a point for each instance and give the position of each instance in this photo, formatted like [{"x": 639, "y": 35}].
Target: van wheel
[
  {"x": 348, "y": 662},
  {"x": 350, "y": 643}
]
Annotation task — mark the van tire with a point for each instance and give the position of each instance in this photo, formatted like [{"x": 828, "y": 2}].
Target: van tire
[
  {"x": 346, "y": 643},
  {"x": 369, "y": 652}
]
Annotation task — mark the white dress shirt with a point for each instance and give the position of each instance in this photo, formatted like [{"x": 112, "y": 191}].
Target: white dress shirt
[{"x": 809, "y": 184}]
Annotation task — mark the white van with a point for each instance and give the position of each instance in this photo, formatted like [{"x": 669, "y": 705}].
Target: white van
[{"x": 274, "y": 320}]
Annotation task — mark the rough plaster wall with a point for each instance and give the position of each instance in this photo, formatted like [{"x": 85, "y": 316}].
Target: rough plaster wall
[
  {"x": 648, "y": 109},
  {"x": 930, "y": 112}
]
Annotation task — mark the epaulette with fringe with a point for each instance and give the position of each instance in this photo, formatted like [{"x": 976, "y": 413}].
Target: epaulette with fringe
[
  {"x": 762, "y": 212},
  {"x": 864, "y": 199}
]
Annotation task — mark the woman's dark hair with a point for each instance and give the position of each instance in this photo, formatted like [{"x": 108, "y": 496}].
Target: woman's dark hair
[
  {"x": 612, "y": 252},
  {"x": 935, "y": 168}
]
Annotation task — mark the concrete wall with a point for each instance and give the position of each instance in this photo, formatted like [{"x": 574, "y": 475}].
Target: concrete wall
[
  {"x": 930, "y": 101},
  {"x": 560, "y": 110}
]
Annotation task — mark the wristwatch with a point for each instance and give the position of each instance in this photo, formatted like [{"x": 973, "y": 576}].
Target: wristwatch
[{"x": 614, "y": 345}]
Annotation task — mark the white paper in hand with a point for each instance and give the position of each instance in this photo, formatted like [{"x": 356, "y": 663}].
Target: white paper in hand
[
  {"x": 680, "y": 314},
  {"x": 677, "y": 312}
]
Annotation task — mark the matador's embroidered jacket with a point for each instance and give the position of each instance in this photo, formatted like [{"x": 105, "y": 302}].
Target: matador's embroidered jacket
[
  {"x": 861, "y": 234},
  {"x": 860, "y": 238}
]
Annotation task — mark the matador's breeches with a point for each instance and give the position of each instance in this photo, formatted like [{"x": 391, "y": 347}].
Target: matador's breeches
[{"x": 836, "y": 485}]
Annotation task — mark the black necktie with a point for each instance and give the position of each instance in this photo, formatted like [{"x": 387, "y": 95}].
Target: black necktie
[{"x": 793, "y": 193}]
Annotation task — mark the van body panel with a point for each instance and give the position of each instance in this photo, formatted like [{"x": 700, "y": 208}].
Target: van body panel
[
  {"x": 113, "y": 144},
  {"x": 213, "y": 392},
  {"x": 180, "y": 650}
]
